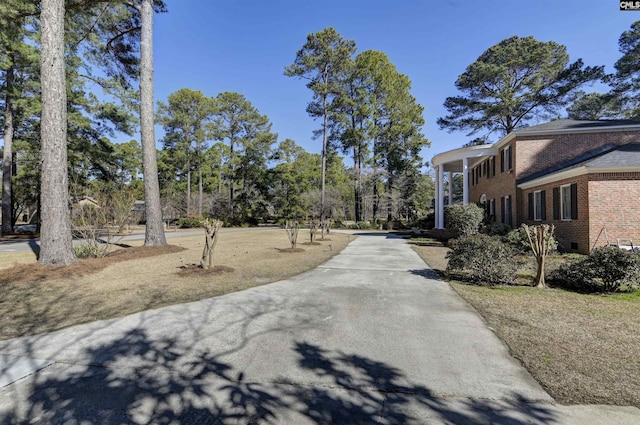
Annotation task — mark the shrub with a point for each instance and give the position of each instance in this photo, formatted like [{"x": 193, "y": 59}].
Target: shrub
[
  {"x": 606, "y": 269},
  {"x": 465, "y": 220},
  {"x": 190, "y": 222},
  {"x": 518, "y": 239},
  {"x": 90, "y": 250},
  {"x": 497, "y": 229},
  {"x": 487, "y": 259},
  {"x": 426, "y": 222}
]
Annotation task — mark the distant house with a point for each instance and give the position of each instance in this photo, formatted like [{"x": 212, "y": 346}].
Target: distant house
[{"x": 581, "y": 176}]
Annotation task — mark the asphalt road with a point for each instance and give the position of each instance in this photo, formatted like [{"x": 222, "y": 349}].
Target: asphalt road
[{"x": 370, "y": 337}]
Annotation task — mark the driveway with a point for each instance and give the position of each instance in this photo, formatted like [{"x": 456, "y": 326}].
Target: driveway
[{"x": 373, "y": 336}]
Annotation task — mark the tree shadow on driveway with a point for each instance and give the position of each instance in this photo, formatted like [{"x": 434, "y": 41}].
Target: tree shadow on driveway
[{"x": 136, "y": 380}]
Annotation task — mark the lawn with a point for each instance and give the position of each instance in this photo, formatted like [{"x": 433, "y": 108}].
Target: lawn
[
  {"x": 35, "y": 299},
  {"x": 583, "y": 349}
]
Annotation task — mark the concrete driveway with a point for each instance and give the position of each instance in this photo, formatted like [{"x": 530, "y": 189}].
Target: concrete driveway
[{"x": 373, "y": 336}]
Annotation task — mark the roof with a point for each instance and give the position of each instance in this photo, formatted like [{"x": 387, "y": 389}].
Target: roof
[
  {"x": 605, "y": 157},
  {"x": 568, "y": 124}
]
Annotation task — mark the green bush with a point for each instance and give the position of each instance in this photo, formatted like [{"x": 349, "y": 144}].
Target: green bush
[
  {"x": 518, "y": 239},
  {"x": 606, "y": 269},
  {"x": 497, "y": 229},
  {"x": 426, "y": 222},
  {"x": 487, "y": 259},
  {"x": 90, "y": 250},
  {"x": 190, "y": 222},
  {"x": 464, "y": 220}
]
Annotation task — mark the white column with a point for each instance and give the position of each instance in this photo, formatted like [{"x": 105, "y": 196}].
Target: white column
[
  {"x": 450, "y": 188},
  {"x": 465, "y": 181},
  {"x": 436, "y": 206},
  {"x": 440, "y": 199}
]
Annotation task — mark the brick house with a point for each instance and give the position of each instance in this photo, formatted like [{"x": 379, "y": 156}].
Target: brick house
[{"x": 581, "y": 176}]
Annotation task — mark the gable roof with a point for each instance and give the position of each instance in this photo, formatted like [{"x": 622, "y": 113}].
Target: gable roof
[
  {"x": 606, "y": 158},
  {"x": 563, "y": 126}
]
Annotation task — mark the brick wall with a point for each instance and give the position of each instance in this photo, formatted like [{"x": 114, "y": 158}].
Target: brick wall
[
  {"x": 496, "y": 187},
  {"x": 614, "y": 203},
  {"x": 536, "y": 153},
  {"x": 568, "y": 232}
]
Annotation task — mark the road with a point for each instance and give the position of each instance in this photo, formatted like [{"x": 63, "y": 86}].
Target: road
[{"x": 12, "y": 245}]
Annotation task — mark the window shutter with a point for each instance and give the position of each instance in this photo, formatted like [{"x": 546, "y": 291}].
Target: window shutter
[
  {"x": 493, "y": 166},
  {"x": 502, "y": 161},
  {"x": 531, "y": 206},
  {"x": 574, "y": 201},
  {"x": 556, "y": 203},
  {"x": 502, "y": 210},
  {"x": 509, "y": 214},
  {"x": 543, "y": 204}
]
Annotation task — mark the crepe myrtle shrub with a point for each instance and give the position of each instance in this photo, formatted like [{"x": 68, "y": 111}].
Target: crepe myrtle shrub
[
  {"x": 487, "y": 260},
  {"x": 464, "y": 220},
  {"x": 606, "y": 269}
]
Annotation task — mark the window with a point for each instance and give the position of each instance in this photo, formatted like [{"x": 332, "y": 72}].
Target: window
[
  {"x": 492, "y": 166},
  {"x": 505, "y": 160},
  {"x": 506, "y": 210},
  {"x": 565, "y": 202},
  {"x": 492, "y": 210},
  {"x": 537, "y": 206}
]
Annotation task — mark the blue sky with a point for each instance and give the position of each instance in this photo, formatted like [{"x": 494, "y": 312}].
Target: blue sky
[{"x": 244, "y": 45}]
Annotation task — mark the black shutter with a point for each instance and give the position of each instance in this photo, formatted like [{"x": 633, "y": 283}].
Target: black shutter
[
  {"x": 502, "y": 214},
  {"x": 543, "y": 204},
  {"x": 530, "y": 206},
  {"x": 502, "y": 161},
  {"x": 574, "y": 201},
  {"x": 556, "y": 203}
]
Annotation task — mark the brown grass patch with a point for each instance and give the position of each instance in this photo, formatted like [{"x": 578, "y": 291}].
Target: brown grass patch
[
  {"x": 290, "y": 250},
  {"x": 136, "y": 279},
  {"x": 191, "y": 270},
  {"x": 583, "y": 349}
]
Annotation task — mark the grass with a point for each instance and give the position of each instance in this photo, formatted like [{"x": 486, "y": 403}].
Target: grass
[
  {"x": 35, "y": 298},
  {"x": 583, "y": 349}
]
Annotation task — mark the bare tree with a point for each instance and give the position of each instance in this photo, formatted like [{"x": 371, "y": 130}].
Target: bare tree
[
  {"x": 292, "y": 227},
  {"x": 55, "y": 238},
  {"x": 540, "y": 238},
  {"x": 211, "y": 230},
  {"x": 324, "y": 227},
  {"x": 154, "y": 230},
  {"x": 313, "y": 229}
]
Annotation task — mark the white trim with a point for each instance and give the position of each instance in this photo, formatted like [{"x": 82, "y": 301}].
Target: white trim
[
  {"x": 574, "y": 172},
  {"x": 462, "y": 153}
]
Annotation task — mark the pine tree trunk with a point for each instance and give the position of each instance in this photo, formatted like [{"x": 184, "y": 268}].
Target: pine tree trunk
[
  {"x": 200, "y": 191},
  {"x": 324, "y": 156},
  {"x": 357, "y": 184},
  {"x": 7, "y": 158},
  {"x": 55, "y": 238},
  {"x": 188, "y": 188},
  {"x": 154, "y": 230}
]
